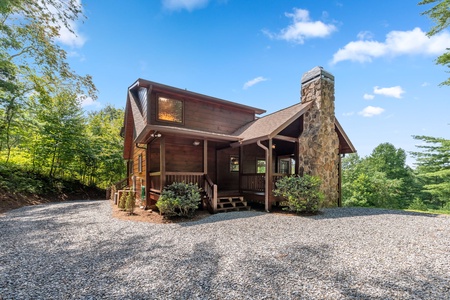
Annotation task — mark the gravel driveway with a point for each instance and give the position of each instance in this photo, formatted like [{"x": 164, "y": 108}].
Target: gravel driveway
[{"x": 76, "y": 250}]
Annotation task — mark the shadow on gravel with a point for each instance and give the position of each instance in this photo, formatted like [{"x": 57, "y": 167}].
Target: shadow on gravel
[
  {"x": 223, "y": 217},
  {"x": 349, "y": 212}
]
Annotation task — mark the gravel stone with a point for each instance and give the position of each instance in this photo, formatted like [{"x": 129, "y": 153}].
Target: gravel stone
[{"x": 76, "y": 250}]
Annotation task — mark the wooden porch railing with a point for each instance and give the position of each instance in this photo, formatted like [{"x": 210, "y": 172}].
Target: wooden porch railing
[
  {"x": 186, "y": 177},
  {"x": 256, "y": 182},
  {"x": 211, "y": 193},
  {"x": 120, "y": 185}
]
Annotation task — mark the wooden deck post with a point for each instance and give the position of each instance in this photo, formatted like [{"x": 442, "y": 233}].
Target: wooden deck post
[
  {"x": 214, "y": 200},
  {"x": 162, "y": 162}
]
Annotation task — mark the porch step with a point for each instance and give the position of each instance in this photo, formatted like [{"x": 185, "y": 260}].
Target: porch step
[{"x": 231, "y": 203}]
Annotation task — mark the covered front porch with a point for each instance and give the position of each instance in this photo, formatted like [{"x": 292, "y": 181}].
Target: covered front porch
[{"x": 231, "y": 175}]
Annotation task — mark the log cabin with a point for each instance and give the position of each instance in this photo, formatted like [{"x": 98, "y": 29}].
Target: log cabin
[{"x": 228, "y": 149}]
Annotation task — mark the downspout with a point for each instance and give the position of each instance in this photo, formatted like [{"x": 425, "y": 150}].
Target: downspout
[{"x": 266, "y": 179}]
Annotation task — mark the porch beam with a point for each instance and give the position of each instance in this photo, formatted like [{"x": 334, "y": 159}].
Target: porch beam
[{"x": 285, "y": 138}]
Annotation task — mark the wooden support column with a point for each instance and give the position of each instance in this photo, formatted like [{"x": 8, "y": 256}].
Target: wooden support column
[
  {"x": 340, "y": 181},
  {"x": 296, "y": 157},
  {"x": 241, "y": 166},
  {"x": 269, "y": 166},
  {"x": 162, "y": 162},
  {"x": 205, "y": 156}
]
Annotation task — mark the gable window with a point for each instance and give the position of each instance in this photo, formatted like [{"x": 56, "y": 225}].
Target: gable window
[
  {"x": 234, "y": 163},
  {"x": 260, "y": 166},
  {"x": 170, "y": 110}
]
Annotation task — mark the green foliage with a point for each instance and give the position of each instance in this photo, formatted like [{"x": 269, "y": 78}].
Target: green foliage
[
  {"x": 301, "y": 193},
  {"x": 16, "y": 179},
  {"x": 440, "y": 13},
  {"x": 130, "y": 202},
  {"x": 380, "y": 180},
  {"x": 179, "y": 199},
  {"x": 433, "y": 169},
  {"x": 418, "y": 204}
]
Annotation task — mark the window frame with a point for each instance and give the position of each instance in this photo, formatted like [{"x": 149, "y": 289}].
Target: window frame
[
  {"x": 234, "y": 167},
  {"x": 265, "y": 165},
  {"x": 158, "y": 96}
]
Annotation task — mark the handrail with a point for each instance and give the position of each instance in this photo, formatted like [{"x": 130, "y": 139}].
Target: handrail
[{"x": 211, "y": 193}]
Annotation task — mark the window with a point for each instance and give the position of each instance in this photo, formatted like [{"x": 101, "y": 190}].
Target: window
[
  {"x": 260, "y": 166},
  {"x": 140, "y": 163},
  {"x": 234, "y": 163},
  {"x": 170, "y": 110}
]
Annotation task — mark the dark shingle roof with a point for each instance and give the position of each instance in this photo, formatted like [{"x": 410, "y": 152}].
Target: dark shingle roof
[{"x": 270, "y": 125}]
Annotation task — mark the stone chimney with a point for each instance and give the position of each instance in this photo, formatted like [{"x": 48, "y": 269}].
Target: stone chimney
[{"x": 319, "y": 143}]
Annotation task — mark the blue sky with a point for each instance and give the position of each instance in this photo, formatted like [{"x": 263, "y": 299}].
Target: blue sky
[{"x": 255, "y": 52}]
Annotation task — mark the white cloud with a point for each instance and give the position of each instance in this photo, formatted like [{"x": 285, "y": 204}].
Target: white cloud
[
  {"x": 253, "y": 82},
  {"x": 188, "y": 5},
  {"x": 425, "y": 84},
  {"x": 371, "y": 111},
  {"x": 66, "y": 37},
  {"x": 395, "y": 91},
  {"x": 368, "y": 96},
  {"x": 88, "y": 101},
  {"x": 348, "y": 114},
  {"x": 73, "y": 39},
  {"x": 302, "y": 27},
  {"x": 397, "y": 43}
]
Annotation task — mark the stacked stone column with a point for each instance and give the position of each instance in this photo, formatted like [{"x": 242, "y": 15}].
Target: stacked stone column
[{"x": 319, "y": 143}]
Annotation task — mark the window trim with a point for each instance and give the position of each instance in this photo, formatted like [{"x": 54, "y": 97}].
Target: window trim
[{"x": 158, "y": 96}]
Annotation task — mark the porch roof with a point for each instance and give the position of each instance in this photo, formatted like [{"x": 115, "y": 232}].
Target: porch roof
[{"x": 270, "y": 125}]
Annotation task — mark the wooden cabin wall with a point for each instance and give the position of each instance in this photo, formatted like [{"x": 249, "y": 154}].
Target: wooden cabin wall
[
  {"x": 251, "y": 154},
  {"x": 199, "y": 115},
  {"x": 138, "y": 173},
  {"x": 212, "y": 161},
  {"x": 182, "y": 155},
  {"x": 154, "y": 152},
  {"x": 227, "y": 180}
]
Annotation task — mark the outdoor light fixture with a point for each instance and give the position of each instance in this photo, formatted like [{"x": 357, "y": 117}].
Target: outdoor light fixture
[
  {"x": 155, "y": 134},
  {"x": 196, "y": 143}
]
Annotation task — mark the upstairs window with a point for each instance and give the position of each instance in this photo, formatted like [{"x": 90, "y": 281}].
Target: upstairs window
[{"x": 170, "y": 110}]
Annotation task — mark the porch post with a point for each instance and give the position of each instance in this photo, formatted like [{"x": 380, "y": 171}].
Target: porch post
[
  {"x": 241, "y": 166},
  {"x": 205, "y": 156},
  {"x": 269, "y": 167},
  {"x": 296, "y": 156},
  {"x": 162, "y": 162}
]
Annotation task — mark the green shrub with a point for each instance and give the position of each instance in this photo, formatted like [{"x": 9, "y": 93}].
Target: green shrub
[
  {"x": 418, "y": 204},
  {"x": 122, "y": 200},
  {"x": 130, "y": 202},
  {"x": 302, "y": 194},
  {"x": 446, "y": 207},
  {"x": 179, "y": 199}
]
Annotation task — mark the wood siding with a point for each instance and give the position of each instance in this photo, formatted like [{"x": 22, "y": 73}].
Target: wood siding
[
  {"x": 200, "y": 115},
  {"x": 139, "y": 175}
]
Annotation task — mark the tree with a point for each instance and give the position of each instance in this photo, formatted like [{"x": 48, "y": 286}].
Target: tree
[
  {"x": 106, "y": 146},
  {"x": 440, "y": 13},
  {"x": 31, "y": 61},
  {"x": 433, "y": 166},
  {"x": 382, "y": 179}
]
